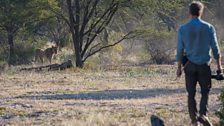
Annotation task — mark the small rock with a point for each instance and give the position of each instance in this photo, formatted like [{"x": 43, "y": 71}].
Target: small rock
[{"x": 23, "y": 105}]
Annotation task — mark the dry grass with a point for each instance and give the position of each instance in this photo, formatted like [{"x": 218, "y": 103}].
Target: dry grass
[{"x": 118, "y": 96}]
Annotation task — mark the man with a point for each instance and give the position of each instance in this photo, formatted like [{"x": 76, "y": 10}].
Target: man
[{"x": 196, "y": 38}]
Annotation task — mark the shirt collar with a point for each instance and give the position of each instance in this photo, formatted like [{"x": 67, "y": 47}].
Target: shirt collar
[{"x": 195, "y": 19}]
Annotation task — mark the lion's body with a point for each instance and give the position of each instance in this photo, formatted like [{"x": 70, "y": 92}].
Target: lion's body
[
  {"x": 45, "y": 54},
  {"x": 61, "y": 66}
]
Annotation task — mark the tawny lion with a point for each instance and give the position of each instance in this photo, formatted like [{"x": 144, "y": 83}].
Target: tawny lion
[{"x": 47, "y": 53}]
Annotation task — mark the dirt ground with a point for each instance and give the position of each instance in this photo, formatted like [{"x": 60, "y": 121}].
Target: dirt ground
[{"x": 125, "y": 96}]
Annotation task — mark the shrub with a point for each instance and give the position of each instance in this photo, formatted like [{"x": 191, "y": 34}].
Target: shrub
[
  {"x": 24, "y": 52},
  {"x": 160, "y": 46},
  {"x": 3, "y": 66},
  {"x": 220, "y": 113},
  {"x": 3, "y": 52}
]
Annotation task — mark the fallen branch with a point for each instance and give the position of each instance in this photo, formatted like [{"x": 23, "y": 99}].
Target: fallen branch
[{"x": 62, "y": 66}]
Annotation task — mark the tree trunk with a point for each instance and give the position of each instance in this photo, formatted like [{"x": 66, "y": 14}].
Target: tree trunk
[
  {"x": 75, "y": 33},
  {"x": 79, "y": 62},
  {"x": 11, "y": 48}
]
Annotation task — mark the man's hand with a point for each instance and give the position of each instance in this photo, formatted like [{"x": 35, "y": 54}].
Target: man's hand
[
  {"x": 220, "y": 69},
  {"x": 178, "y": 72},
  {"x": 219, "y": 65}
]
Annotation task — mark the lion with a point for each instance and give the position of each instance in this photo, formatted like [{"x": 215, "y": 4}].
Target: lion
[
  {"x": 62, "y": 66},
  {"x": 47, "y": 53}
]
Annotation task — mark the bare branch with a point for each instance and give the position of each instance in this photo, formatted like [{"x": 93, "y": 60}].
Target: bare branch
[
  {"x": 95, "y": 46},
  {"x": 61, "y": 16},
  {"x": 102, "y": 17},
  {"x": 86, "y": 17},
  {"x": 87, "y": 14},
  {"x": 108, "y": 16},
  {"x": 111, "y": 45}
]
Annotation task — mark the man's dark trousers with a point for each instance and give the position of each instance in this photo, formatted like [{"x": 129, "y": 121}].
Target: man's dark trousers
[{"x": 197, "y": 73}]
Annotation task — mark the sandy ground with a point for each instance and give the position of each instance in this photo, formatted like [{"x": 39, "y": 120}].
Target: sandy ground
[{"x": 126, "y": 96}]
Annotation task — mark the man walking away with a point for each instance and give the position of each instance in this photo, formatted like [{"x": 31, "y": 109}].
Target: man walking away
[{"x": 196, "y": 38}]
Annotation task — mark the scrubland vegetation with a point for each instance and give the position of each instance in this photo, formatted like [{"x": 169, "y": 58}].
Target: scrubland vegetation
[{"x": 123, "y": 52}]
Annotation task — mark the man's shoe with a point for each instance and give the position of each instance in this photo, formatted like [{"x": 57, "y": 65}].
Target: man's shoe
[{"x": 204, "y": 120}]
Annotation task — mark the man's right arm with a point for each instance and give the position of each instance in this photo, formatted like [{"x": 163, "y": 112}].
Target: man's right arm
[
  {"x": 180, "y": 46},
  {"x": 179, "y": 55}
]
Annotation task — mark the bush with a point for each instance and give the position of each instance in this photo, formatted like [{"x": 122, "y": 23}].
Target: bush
[
  {"x": 220, "y": 113},
  {"x": 24, "y": 53},
  {"x": 161, "y": 47},
  {"x": 3, "y": 52},
  {"x": 3, "y": 66}
]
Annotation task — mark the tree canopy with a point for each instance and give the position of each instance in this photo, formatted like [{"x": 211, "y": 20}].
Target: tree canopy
[
  {"x": 89, "y": 24},
  {"x": 17, "y": 15}
]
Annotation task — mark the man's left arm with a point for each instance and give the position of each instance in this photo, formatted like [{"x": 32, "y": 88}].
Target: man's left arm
[{"x": 215, "y": 48}]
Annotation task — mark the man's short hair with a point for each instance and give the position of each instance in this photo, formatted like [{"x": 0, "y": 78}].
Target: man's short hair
[{"x": 196, "y": 8}]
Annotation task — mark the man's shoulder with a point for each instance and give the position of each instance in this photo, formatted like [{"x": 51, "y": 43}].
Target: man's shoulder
[
  {"x": 182, "y": 27},
  {"x": 189, "y": 24},
  {"x": 206, "y": 23}
]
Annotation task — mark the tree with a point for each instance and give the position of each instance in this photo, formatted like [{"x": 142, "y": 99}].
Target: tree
[
  {"x": 55, "y": 30},
  {"x": 87, "y": 19},
  {"x": 17, "y": 15}
]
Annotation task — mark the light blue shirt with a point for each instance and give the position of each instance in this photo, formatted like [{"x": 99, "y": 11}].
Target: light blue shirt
[{"x": 196, "y": 38}]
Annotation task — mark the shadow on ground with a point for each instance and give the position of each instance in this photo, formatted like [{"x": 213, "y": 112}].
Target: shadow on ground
[{"x": 110, "y": 94}]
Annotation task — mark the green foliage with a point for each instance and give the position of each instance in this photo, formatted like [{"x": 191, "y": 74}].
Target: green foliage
[
  {"x": 24, "y": 52},
  {"x": 3, "y": 53},
  {"x": 28, "y": 20},
  {"x": 17, "y": 17},
  {"x": 220, "y": 113}
]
